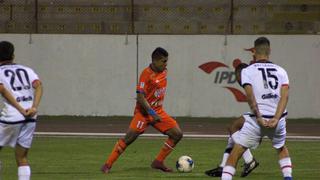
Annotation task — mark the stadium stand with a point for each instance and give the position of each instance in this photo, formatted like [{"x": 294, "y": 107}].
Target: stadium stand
[{"x": 160, "y": 16}]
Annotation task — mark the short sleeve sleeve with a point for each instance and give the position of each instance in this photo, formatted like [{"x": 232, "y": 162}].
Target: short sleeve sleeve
[
  {"x": 33, "y": 76},
  {"x": 143, "y": 80},
  {"x": 245, "y": 78},
  {"x": 284, "y": 78}
]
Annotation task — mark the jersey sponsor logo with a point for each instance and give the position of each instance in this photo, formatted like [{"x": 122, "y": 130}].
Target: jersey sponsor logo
[
  {"x": 159, "y": 92},
  {"x": 269, "y": 96},
  {"x": 226, "y": 76},
  {"x": 24, "y": 98}
]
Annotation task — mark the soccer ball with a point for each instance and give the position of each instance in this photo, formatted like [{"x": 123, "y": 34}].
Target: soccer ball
[{"x": 185, "y": 164}]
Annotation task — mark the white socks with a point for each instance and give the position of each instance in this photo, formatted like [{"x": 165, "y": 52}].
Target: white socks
[
  {"x": 224, "y": 159},
  {"x": 228, "y": 172},
  {"x": 24, "y": 172},
  {"x": 247, "y": 156},
  {"x": 286, "y": 167}
]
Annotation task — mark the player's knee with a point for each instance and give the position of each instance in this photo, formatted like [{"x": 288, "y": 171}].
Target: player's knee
[
  {"x": 179, "y": 135},
  {"x": 130, "y": 137},
  {"x": 283, "y": 151}
]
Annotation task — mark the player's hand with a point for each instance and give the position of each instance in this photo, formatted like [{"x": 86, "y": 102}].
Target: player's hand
[
  {"x": 23, "y": 112},
  {"x": 262, "y": 122},
  {"x": 272, "y": 123},
  {"x": 156, "y": 118},
  {"x": 31, "y": 112}
]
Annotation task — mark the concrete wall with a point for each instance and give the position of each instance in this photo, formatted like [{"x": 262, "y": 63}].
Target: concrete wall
[{"x": 96, "y": 74}]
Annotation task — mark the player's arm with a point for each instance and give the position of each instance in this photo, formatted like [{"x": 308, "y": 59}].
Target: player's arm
[
  {"x": 282, "y": 104},
  {"x": 252, "y": 101},
  {"x": 7, "y": 95},
  {"x": 146, "y": 106},
  {"x": 38, "y": 90},
  {"x": 253, "y": 104}
]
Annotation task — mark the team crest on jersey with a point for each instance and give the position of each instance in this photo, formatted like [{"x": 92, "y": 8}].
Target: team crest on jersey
[
  {"x": 141, "y": 85},
  {"x": 225, "y": 77},
  {"x": 159, "y": 92}
]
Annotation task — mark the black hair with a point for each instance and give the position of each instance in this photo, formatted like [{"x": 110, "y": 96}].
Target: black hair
[
  {"x": 240, "y": 67},
  {"x": 262, "y": 46},
  {"x": 6, "y": 51},
  {"x": 261, "y": 41},
  {"x": 158, "y": 53},
  {"x": 238, "y": 70}
]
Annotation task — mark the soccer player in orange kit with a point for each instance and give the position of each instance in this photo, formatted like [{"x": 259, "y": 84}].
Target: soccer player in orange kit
[{"x": 149, "y": 111}]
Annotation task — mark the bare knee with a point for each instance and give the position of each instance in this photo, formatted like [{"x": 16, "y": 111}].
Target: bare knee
[
  {"x": 130, "y": 137},
  {"x": 178, "y": 136},
  {"x": 21, "y": 155},
  {"x": 283, "y": 152},
  {"x": 175, "y": 134}
]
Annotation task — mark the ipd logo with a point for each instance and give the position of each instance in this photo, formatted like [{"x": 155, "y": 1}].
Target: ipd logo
[{"x": 224, "y": 77}]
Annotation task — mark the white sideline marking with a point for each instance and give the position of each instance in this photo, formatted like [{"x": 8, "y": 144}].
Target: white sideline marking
[{"x": 157, "y": 135}]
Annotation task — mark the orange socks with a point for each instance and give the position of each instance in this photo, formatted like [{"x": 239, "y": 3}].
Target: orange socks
[
  {"x": 166, "y": 150},
  {"x": 118, "y": 149}
]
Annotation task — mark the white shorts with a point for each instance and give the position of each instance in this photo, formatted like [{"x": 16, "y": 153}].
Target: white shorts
[
  {"x": 12, "y": 134},
  {"x": 251, "y": 133}
]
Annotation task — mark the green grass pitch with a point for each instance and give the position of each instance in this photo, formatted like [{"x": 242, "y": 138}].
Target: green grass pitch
[{"x": 80, "y": 159}]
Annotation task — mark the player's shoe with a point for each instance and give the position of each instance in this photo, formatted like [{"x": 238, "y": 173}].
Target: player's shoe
[
  {"x": 159, "y": 165},
  {"x": 248, "y": 167},
  {"x": 105, "y": 169},
  {"x": 288, "y": 178},
  {"x": 216, "y": 172}
]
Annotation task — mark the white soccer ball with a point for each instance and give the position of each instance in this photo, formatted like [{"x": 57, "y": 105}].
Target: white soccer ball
[{"x": 185, "y": 164}]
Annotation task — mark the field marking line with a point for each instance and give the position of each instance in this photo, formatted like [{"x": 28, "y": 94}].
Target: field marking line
[{"x": 156, "y": 135}]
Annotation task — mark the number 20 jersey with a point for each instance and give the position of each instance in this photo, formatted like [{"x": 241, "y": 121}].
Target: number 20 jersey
[
  {"x": 17, "y": 79},
  {"x": 266, "y": 80}
]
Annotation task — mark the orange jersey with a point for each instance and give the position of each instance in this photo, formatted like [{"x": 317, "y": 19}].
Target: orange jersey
[{"x": 153, "y": 85}]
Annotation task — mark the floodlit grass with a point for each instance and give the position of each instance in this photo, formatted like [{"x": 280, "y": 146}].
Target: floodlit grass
[{"x": 81, "y": 158}]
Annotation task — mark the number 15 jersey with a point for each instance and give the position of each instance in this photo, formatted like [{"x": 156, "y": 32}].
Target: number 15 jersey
[
  {"x": 266, "y": 80},
  {"x": 17, "y": 79}
]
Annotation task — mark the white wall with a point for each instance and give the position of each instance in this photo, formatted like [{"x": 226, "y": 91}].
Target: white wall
[{"x": 96, "y": 74}]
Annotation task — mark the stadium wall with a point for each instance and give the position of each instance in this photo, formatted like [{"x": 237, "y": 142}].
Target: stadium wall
[{"x": 96, "y": 74}]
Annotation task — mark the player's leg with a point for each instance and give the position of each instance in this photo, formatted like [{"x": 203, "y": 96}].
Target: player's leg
[
  {"x": 278, "y": 141},
  {"x": 285, "y": 163},
  {"x": 24, "y": 171},
  {"x": 8, "y": 136},
  {"x": 229, "y": 169},
  {"x": 169, "y": 127},
  {"x": 119, "y": 148},
  {"x": 22, "y": 147},
  {"x": 137, "y": 127},
  {"x": 249, "y": 137},
  {"x": 250, "y": 163},
  {"x": 236, "y": 125},
  {"x": 234, "y": 129}
]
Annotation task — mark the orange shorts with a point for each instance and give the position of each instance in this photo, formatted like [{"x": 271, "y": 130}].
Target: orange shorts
[{"x": 140, "y": 123}]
